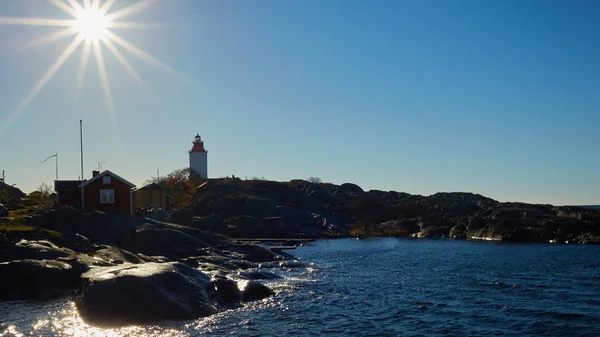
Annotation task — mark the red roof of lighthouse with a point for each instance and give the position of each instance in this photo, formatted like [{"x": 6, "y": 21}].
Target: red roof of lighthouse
[{"x": 198, "y": 145}]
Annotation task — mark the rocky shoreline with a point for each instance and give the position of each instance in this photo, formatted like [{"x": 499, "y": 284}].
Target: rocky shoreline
[
  {"x": 299, "y": 208},
  {"x": 124, "y": 270},
  {"x": 130, "y": 270}
]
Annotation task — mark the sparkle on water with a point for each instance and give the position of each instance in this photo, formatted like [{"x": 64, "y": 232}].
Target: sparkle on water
[{"x": 92, "y": 26}]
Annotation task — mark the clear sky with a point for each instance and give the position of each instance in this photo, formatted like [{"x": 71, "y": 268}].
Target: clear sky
[{"x": 500, "y": 98}]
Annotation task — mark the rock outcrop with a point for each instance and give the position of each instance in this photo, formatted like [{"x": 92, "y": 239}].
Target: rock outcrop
[
  {"x": 302, "y": 209},
  {"x": 134, "y": 294}
]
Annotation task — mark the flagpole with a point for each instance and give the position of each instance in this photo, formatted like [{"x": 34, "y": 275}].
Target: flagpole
[
  {"x": 55, "y": 156},
  {"x": 81, "y": 140}
]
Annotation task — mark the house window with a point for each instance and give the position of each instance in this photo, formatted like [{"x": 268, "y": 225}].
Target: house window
[
  {"x": 107, "y": 196},
  {"x": 106, "y": 180}
]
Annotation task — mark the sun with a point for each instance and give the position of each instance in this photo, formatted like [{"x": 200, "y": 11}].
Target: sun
[{"x": 91, "y": 24}]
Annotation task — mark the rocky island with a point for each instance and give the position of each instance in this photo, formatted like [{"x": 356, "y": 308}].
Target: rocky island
[{"x": 125, "y": 270}]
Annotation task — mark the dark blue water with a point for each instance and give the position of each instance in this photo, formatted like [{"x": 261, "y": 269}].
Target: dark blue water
[{"x": 390, "y": 287}]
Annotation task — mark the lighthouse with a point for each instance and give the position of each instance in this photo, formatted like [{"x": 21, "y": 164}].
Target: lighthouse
[{"x": 199, "y": 158}]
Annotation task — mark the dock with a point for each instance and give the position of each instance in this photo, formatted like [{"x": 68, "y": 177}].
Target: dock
[
  {"x": 278, "y": 249},
  {"x": 276, "y": 245}
]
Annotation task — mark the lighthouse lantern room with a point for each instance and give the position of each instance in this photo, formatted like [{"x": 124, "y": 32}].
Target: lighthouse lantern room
[{"x": 199, "y": 158}]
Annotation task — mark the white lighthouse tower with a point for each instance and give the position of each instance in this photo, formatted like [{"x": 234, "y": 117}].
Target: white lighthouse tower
[{"x": 199, "y": 158}]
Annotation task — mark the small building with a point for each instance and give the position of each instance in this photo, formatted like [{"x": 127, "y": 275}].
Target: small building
[
  {"x": 154, "y": 195},
  {"x": 105, "y": 191},
  {"x": 68, "y": 192}
]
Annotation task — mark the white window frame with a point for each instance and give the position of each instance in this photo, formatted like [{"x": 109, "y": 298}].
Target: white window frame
[
  {"x": 110, "y": 196},
  {"x": 106, "y": 180}
]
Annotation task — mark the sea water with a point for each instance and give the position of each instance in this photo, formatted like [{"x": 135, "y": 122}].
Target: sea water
[{"x": 386, "y": 287}]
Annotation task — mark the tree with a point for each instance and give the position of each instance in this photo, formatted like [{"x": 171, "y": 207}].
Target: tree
[
  {"x": 314, "y": 180},
  {"x": 44, "y": 189},
  {"x": 42, "y": 194},
  {"x": 181, "y": 184}
]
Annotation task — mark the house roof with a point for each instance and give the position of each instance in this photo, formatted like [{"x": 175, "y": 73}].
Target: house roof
[
  {"x": 107, "y": 172},
  {"x": 66, "y": 185},
  {"x": 151, "y": 186}
]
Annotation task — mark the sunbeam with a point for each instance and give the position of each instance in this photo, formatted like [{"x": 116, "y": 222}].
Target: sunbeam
[
  {"x": 123, "y": 61},
  {"x": 42, "y": 82},
  {"x": 107, "y": 6},
  {"x": 141, "y": 54},
  {"x": 49, "y": 38},
  {"x": 136, "y": 25},
  {"x": 75, "y": 4},
  {"x": 124, "y": 12},
  {"x": 92, "y": 21},
  {"x": 36, "y": 22},
  {"x": 104, "y": 80},
  {"x": 65, "y": 7},
  {"x": 87, "y": 46}
]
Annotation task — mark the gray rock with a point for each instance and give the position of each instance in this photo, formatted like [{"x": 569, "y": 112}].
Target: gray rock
[
  {"x": 115, "y": 255},
  {"x": 168, "y": 242},
  {"x": 182, "y": 216},
  {"x": 254, "y": 291},
  {"x": 142, "y": 293},
  {"x": 211, "y": 222},
  {"x": 260, "y": 207},
  {"x": 226, "y": 292},
  {"x": 36, "y": 279},
  {"x": 36, "y": 250}
]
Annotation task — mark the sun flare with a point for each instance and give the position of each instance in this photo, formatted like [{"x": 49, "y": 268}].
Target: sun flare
[{"x": 91, "y": 24}]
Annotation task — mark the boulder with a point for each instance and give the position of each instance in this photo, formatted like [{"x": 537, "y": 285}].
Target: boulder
[
  {"x": 168, "y": 242},
  {"x": 35, "y": 250},
  {"x": 3, "y": 211},
  {"x": 182, "y": 216},
  {"x": 254, "y": 291},
  {"x": 225, "y": 292},
  {"x": 246, "y": 226},
  {"x": 208, "y": 223},
  {"x": 351, "y": 189},
  {"x": 62, "y": 219},
  {"x": 142, "y": 293},
  {"x": 36, "y": 279},
  {"x": 260, "y": 207},
  {"x": 253, "y": 253},
  {"x": 76, "y": 242},
  {"x": 115, "y": 255},
  {"x": 103, "y": 227}
]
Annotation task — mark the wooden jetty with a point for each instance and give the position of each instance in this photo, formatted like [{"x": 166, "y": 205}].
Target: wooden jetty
[{"x": 276, "y": 244}]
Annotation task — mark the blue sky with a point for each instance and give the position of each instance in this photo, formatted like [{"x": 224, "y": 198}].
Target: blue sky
[{"x": 500, "y": 98}]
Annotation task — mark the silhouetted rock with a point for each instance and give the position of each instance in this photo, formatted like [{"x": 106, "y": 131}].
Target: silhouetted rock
[
  {"x": 225, "y": 292},
  {"x": 135, "y": 294},
  {"x": 254, "y": 291},
  {"x": 182, "y": 216},
  {"x": 165, "y": 241},
  {"x": 36, "y": 279},
  {"x": 3, "y": 211},
  {"x": 35, "y": 250}
]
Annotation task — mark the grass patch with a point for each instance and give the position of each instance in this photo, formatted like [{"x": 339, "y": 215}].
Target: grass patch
[
  {"x": 14, "y": 224},
  {"x": 18, "y": 229}
]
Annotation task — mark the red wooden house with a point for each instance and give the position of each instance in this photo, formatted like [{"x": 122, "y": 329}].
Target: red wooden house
[{"x": 106, "y": 191}]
